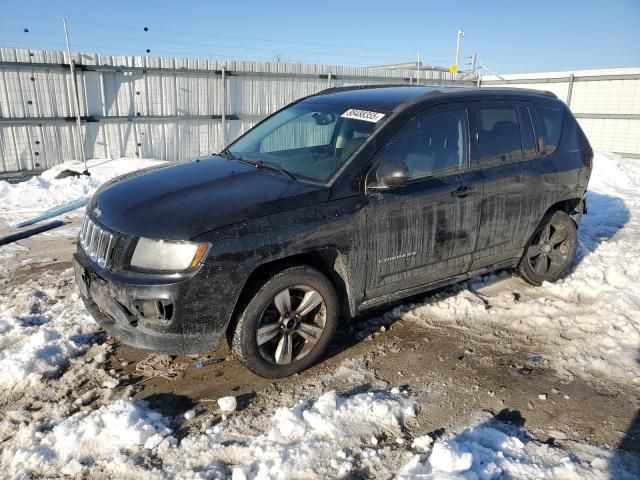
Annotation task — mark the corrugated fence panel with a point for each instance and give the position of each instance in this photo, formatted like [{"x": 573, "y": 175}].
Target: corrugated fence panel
[
  {"x": 606, "y": 102},
  {"x": 615, "y": 135},
  {"x": 607, "y": 96},
  {"x": 139, "y": 106}
]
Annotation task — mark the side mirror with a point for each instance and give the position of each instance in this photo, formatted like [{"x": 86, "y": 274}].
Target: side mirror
[{"x": 392, "y": 173}]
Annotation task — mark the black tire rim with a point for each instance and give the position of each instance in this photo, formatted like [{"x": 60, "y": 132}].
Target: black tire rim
[
  {"x": 291, "y": 325},
  {"x": 548, "y": 253}
]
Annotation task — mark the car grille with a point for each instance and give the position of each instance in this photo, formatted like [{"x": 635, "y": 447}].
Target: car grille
[{"x": 97, "y": 242}]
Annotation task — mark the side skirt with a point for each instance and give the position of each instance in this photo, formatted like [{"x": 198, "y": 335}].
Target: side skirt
[{"x": 395, "y": 296}]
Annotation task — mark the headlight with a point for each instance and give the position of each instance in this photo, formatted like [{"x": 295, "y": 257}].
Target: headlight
[{"x": 164, "y": 255}]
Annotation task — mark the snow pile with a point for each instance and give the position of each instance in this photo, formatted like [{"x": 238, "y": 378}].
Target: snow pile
[
  {"x": 10, "y": 250},
  {"x": 587, "y": 324},
  {"x": 25, "y": 199},
  {"x": 493, "y": 450},
  {"x": 99, "y": 438},
  {"x": 321, "y": 439},
  {"x": 332, "y": 437},
  {"x": 40, "y": 329}
]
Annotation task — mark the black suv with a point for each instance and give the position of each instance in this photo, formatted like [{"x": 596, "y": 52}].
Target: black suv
[{"x": 339, "y": 202}]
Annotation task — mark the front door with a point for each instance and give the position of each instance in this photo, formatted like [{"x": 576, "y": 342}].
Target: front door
[{"x": 426, "y": 230}]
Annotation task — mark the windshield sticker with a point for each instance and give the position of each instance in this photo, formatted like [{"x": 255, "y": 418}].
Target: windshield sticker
[{"x": 365, "y": 115}]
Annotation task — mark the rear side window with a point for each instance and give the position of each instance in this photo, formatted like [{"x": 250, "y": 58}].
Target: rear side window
[
  {"x": 499, "y": 135},
  {"x": 552, "y": 121}
]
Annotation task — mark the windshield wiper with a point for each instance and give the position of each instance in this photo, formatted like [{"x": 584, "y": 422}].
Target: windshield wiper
[{"x": 271, "y": 166}]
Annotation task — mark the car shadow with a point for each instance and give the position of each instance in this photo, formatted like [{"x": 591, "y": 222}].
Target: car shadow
[
  {"x": 606, "y": 216},
  {"x": 352, "y": 331},
  {"x": 169, "y": 404},
  {"x": 629, "y": 449}
]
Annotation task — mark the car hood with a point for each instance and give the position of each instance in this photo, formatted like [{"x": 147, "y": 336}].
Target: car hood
[{"x": 183, "y": 200}]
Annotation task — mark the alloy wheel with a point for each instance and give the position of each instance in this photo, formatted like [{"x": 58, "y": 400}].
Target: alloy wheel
[
  {"x": 547, "y": 255},
  {"x": 291, "y": 325}
]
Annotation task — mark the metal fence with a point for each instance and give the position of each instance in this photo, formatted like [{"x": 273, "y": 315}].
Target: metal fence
[
  {"x": 167, "y": 108},
  {"x": 606, "y": 102}
]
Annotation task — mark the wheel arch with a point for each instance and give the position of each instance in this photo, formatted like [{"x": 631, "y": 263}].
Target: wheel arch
[
  {"x": 570, "y": 206},
  {"x": 328, "y": 261}
]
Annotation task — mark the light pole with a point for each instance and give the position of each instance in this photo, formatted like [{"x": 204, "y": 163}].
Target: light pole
[
  {"x": 460, "y": 35},
  {"x": 74, "y": 83}
]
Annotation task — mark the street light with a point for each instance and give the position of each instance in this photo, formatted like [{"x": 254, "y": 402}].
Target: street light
[{"x": 460, "y": 34}]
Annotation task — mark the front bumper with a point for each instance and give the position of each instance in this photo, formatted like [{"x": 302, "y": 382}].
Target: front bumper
[{"x": 190, "y": 326}]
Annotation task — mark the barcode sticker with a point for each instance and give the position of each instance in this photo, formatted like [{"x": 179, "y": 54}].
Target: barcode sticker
[{"x": 365, "y": 115}]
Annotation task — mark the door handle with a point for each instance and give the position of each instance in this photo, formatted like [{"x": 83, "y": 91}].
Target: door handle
[{"x": 464, "y": 191}]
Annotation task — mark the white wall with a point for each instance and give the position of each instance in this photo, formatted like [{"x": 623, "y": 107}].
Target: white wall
[{"x": 606, "y": 102}]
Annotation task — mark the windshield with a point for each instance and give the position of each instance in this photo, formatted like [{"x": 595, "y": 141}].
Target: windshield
[{"x": 308, "y": 140}]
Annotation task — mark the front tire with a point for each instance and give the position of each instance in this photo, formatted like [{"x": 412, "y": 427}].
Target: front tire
[
  {"x": 287, "y": 323},
  {"x": 551, "y": 250}
]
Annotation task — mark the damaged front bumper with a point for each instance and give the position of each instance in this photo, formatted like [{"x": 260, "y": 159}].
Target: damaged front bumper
[{"x": 159, "y": 314}]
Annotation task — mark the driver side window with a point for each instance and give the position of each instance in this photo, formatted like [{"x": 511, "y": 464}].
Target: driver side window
[{"x": 431, "y": 143}]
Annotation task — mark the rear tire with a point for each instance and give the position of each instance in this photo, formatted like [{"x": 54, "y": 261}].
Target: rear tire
[
  {"x": 287, "y": 323},
  {"x": 551, "y": 250}
]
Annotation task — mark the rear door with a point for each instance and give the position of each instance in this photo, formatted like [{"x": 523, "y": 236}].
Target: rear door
[
  {"x": 424, "y": 231},
  {"x": 519, "y": 182}
]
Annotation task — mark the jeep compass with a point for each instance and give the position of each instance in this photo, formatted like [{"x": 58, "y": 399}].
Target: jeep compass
[{"x": 337, "y": 203}]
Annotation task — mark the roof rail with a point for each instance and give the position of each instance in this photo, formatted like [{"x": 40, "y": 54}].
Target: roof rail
[
  {"x": 532, "y": 91},
  {"x": 362, "y": 87}
]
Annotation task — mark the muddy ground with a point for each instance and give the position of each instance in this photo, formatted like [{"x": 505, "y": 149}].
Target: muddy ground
[{"x": 454, "y": 376}]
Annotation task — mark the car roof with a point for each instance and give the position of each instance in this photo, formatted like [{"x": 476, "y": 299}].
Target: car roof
[{"x": 396, "y": 97}]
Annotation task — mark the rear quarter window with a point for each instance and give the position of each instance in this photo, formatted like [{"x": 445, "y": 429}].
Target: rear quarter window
[{"x": 552, "y": 120}]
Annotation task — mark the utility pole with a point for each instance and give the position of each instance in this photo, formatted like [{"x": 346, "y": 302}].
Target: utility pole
[
  {"x": 76, "y": 97},
  {"x": 460, "y": 35},
  {"x": 474, "y": 61},
  {"x": 418, "y": 71}
]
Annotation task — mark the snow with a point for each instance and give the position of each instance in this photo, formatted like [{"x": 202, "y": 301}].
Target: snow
[
  {"x": 491, "y": 450},
  {"x": 10, "y": 250},
  {"x": 586, "y": 325},
  {"x": 227, "y": 404},
  {"x": 448, "y": 458},
  {"x": 39, "y": 332},
  {"x": 326, "y": 438},
  {"x": 89, "y": 438},
  {"x": 19, "y": 201},
  {"x": 422, "y": 443}
]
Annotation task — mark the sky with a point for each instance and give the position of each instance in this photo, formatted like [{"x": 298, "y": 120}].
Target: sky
[{"x": 508, "y": 36}]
